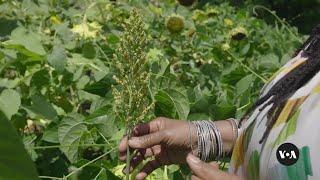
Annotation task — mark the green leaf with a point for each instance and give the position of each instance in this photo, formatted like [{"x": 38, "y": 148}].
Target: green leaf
[
  {"x": 88, "y": 50},
  {"x": 223, "y": 111},
  {"x": 103, "y": 120},
  {"x": 58, "y": 58},
  {"x": 7, "y": 25},
  {"x": 244, "y": 84},
  {"x": 15, "y": 163},
  {"x": 172, "y": 103},
  {"x": 40, "y": 78},
  {"x": 269, "y": 61},
  {"x": 100, "y": 88},
  {"x": 30, "y": 40},
  {"x": 245, "y": 49},
  {"x": 9, "y": 102},
  {"x": 70, "y": 132},
  {"x": 113, "y": 39},
  {"x": 42, "y": 107},
  {"x": 29, "y": 142},
  {"x": 51, "y": 134},
  {"x": 7, "y": 83}
]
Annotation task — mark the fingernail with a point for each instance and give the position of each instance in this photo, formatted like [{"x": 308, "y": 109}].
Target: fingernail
[
  {"x": 193, "y": 158},
  {"x": 124, "y": 170},
  {"x": 140, "y": 176}
]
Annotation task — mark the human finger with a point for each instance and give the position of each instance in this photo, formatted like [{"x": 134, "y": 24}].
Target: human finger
[
  {"x": 147, "y": 169},
  {"x": 214, "y": 165},
  {"x": 150, "y": 127},
  {"x": 147, "y": 141},
  {"x": 203, "y": 170},
  {"x": 122, "y": 148},
  {"x": 135, "y": 161},
  {"x": 193, "y": 177}
]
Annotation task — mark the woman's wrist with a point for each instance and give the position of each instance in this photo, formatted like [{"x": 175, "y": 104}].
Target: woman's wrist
[
  {"x": 210, "y": 140},
  {"x": 228, "y": 132},
  {"x": 193, "y": 138}
]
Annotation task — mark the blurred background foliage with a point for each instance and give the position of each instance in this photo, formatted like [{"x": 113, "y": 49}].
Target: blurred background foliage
[
  {"x": 303, "y": 14},
  {"x": 207, "y": 60}
]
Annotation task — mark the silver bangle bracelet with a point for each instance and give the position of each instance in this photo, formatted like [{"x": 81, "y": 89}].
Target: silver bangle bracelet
[
  {"x": 210, "y": 144},
  {"x": 234, "y": 124}
]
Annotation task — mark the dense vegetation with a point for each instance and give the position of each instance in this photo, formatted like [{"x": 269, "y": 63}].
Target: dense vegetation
[
  {"x": 301, "y": 13},
  {"x": 59, "y": 62}
]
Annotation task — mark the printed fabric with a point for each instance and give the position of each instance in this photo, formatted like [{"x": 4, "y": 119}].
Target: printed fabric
[{"x": 298, "y": 123}]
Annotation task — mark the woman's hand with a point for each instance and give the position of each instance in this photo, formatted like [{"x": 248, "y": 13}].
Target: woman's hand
[
  {"x": 167, "y": 140},
  {"x": 207, "y": 171}
]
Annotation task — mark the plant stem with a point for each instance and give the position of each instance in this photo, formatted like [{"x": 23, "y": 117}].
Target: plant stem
[
  {"x": 247, "y": 67},
  {"x": 128, "y": 154},
  {"x": 50, "y": 177},
  {"x": 88, "y": 163},
  {"x": 78, "y": 169},
  {"x": 59, "y": 146}
]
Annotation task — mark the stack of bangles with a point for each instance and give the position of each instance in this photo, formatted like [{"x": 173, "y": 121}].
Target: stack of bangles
[{"x": 210, "y": 144}]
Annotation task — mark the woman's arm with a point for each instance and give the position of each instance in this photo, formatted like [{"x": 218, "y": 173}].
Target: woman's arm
[{"x": 168, "y": 142}]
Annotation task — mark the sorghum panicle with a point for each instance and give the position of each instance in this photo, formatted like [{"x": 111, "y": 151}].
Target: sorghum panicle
[{"x": 132, "y": 73}]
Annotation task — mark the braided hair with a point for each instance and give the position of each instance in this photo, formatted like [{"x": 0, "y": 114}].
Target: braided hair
[{"x": 279, "y": 93}]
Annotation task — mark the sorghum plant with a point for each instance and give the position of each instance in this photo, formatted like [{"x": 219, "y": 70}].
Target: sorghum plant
[{"x": 132, "y": 104}]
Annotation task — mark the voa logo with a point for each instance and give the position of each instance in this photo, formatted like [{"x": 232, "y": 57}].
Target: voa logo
[{"x": 287, "y": 154}]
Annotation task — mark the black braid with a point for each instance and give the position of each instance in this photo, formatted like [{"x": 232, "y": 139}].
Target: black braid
[{"x": 291, "y": 82}]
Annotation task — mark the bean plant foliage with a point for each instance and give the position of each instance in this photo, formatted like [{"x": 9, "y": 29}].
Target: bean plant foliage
[{"x": 69, "y": 89}]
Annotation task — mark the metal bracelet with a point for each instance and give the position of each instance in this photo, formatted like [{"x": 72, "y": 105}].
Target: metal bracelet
[
  {"x": 234, "y": 125},
  {"x": 210, "y": 144}
]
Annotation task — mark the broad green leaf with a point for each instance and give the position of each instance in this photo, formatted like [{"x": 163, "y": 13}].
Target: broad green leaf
[
  {"x": 15, "y": 163},
  {"x": 172, "y": 103},
  {"x": 164, "y": 105},
  {"x": 58, "y": 58},
  {"x": 232, "y": 74},
  {"x": 88, "y": 50},
  {"x": 70, "y": 133},
  {"x": 64, "y": 103},
  {"x": 100, "y": 88},
  {"x": 9, "y": 102},
  {"x": 244, "y": 84},
  {"x": 30, "y": 40},
  {"x": 40, "y": 78},
  {"x": 40, "y": 106},
  {"x": 78, "y": 59},
  {"x": 82, "y": 82},
  {"x": 103, "y": 120},
  {"x": 51, "y": 134},
  {"x": 7, "y": 25},
  {"x": 32, "y": 56},
  {"x": 8, "y": 83}
]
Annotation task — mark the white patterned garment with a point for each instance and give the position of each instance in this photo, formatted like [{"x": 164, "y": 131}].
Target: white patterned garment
[{"x": 298, "y": 123}]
